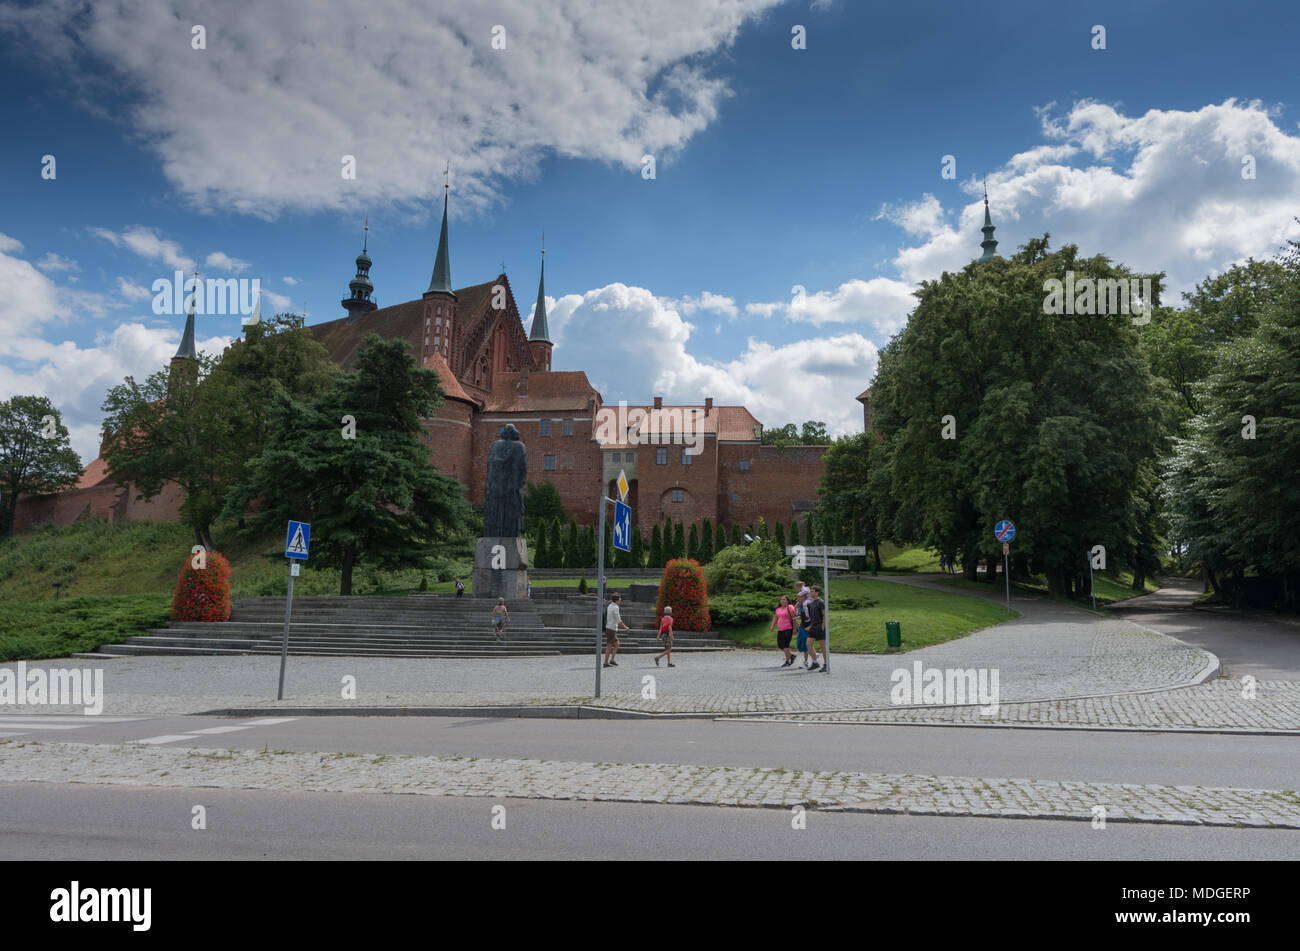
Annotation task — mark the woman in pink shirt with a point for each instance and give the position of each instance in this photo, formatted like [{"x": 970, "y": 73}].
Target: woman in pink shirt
[{"x": 783, "y": 623}]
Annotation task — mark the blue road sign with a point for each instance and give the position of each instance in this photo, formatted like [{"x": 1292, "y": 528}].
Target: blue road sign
[
  {"x": 297, "y": 540},
  {"x": 1004, "y": 531},
  {"x": 622, "y": 526}
]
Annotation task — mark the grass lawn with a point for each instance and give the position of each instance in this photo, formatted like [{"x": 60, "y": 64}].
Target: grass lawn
[
  {"x": 927, "y": 617},
  {"x": 1111, "y": 588}
]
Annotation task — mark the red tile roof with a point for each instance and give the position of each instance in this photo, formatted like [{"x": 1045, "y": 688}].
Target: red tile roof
[
  {"x": 550, "y": 391},
  {"x": 727, "y": 423}
]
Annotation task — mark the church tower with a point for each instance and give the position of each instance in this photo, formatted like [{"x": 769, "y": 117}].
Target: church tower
[
  {"x": 360, "y": 303},
  {"x": 440, "y": 301},
  {"x": 988, "y": 244},
  {"x": 539, "y": 338}
]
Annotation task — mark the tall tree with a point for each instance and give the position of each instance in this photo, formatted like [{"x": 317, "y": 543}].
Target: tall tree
[
  {"x": 693, "y": 543},
  {"x": 572, "y": 555},
  {"x": 656, "y": 548},
  {"x": 541, "y": 505},
  {"x": 366, "y": 484},
  {"x": 638, "y": 548},
  {"x": 541, "y": 558},
  {"x": 555, "y": 544},
  {"x": 679, "y": 540},
  {"x": 737, "y": 537},
  {"x": 36, "y": 454},
  {"x": 719, "y": 538},
  {"x": 706, "y": 542}
]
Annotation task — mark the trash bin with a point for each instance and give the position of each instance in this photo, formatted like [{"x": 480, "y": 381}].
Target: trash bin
[{"x": 894, "y": 635}]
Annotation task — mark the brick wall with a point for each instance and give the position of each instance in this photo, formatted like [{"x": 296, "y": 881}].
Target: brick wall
[
  {"x": 775, "y": 478},
  {"x": 577, "y": 458},
  {"x": 450, "y": 437},
  {"x": 108, "y": 501}
]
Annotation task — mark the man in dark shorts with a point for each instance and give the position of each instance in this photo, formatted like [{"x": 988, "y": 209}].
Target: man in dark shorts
[{"x": 817, "y": 627}]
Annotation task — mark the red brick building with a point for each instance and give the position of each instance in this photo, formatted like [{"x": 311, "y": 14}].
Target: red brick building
[{"x": 684, "y": 462}]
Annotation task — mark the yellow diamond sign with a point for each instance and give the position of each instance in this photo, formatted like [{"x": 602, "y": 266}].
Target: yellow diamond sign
[{"x": 622, "y": 486}]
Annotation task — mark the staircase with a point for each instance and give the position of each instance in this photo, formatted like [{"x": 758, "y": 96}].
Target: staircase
[{"x": 422, "y": 625}]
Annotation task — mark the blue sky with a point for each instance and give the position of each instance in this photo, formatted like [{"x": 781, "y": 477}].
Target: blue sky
[{"x": 775, "y": 167}]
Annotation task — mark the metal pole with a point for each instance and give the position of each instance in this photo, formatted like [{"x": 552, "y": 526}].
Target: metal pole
[
  {"x": 1007, "y": 575},
  {"x": 600, "y": 588},
  {"x": 826, "y": 613},
  {"x": 284, "y": 644},
  {"x": 1092, "y": 582}
]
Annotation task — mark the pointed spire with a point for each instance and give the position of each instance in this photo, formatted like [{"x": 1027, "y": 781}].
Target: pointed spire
[
  {"x": 989, "y": 245},
  {"x": 540, "y": 333},
  {"x": 186, "y": 350},
  {"x": 441, "y": 280}
]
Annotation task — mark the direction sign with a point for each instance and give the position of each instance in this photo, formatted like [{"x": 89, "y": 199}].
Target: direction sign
[
  {"x": 810, "y": 550},
  {"x": 622, "y": 485},
  {"x": 846, "y": 549},
  {"x": 1004, "y": 531},
  {"x": 817, "y": 561},
  {"x": 297, "y": 540},
  {"x": 622, "y": 526}
]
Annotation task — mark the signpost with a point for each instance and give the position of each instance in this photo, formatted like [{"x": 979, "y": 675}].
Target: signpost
[
  {"x": 818, "y": 556},
  {"x": 1005, "y": 532},
  {"x": 296, "y": 542},
  {"x": 622, "y": 538}
]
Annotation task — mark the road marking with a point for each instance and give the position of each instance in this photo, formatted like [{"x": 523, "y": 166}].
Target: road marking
[
  {"x": 44, "y": 726},
  {"x": 167, "y": 738},
  {"x": 271, "y": 721},
  {"x": 10, "y": 734},
  {"x": 208, "y": 731},
  {"x": 220, "y": 729}
]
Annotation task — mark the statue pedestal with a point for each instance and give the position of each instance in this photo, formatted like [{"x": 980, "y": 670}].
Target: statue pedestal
[{"x": 500, "y": 572}]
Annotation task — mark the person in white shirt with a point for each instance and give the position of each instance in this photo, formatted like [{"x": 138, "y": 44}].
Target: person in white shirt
[{"x": 613, "y": 621}]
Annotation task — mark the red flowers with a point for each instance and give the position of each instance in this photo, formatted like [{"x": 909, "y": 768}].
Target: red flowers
[
  {"x": 203, "y": 594},
  {"x": 683, "y": 587}
]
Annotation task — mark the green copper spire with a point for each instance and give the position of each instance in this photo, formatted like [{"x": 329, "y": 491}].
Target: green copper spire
[
  {"x": 186, "y": 350},
  {"x": 988, "y": 244},
  {"x": 540, "y": 332},
  {"x": 441, "y": 281}
]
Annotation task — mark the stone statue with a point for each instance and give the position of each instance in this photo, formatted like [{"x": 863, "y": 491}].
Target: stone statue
[{"x": 507, "y": 472}]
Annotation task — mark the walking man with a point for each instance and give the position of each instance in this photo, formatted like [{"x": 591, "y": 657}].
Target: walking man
[
  {"x": 817, "y": 628},
  {"x": 460, "y": 588},
  {"x": 801, "y": 604},
  {"x": 666, "y": 635},
  {"x": 613, "y": 621}
]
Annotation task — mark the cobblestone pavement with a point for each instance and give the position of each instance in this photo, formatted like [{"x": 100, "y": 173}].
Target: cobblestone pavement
[
  {"x": 1220, "y": 706},
  {"x": 1063, "y": 653},
  {"x": 128, "y": 764}
]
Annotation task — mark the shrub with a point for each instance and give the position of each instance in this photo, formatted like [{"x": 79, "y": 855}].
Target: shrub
[
  {"x": 730, "y": 610},
  {"x": 760, "y": 567},
  {"x": 203, "y": 594},
  {"x": 582, "y": 582},
  {"x": 683, "y": 586}
]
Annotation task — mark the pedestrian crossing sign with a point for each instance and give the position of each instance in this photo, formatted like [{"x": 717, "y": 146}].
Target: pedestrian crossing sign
[{"x": 297, "y": 540}]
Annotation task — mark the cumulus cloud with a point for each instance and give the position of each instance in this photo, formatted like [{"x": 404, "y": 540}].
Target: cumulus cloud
[
  {"x": 708, "y": 302},
  {"x": 586, "y": 79},
  {"x": 1163, "y": 191},
  {"x": 53, "y": 263},
  {"x": 221, "y": 261},
  {"x": 880, "y": 303},
  {"x": 291, "y": 281},
  {"x": 133, "y": 292},
  {"x": 147, "y": 243},
  {"x": 635, "y": 345}
]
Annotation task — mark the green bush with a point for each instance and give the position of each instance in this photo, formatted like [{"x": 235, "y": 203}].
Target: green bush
[
  {"x": 760, "y": 567},
  {"x": 729, "y": 610},
  {"x": 31, "y": 630}
]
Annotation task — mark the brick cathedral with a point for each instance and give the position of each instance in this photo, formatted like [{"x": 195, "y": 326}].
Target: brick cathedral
[{"x": 494, "y": 373}]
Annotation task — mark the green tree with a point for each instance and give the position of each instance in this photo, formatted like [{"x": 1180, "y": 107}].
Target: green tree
[
  {"x": 370, "y": 491},
  {"x": 794, "y": 532},
  {"x": 679, "y": 540},
  {"x": 1054, "y": 417},
  {"x": 638, "y": 548},
  {"x": 706, "y": 542},
  {"x": 541, "y": 505},
  {"x": 588, "y": 546},
  {"x": 572, "y": 555},
  {"x": 36, "y": 454},
  {"x": 720, "y": 538},
  {"x": 656, "y": 548},
  {"x": 693, "y": 543},
  {"x": 737, "y": 537},
  {"x": 780, "y": 535},
  {"x": 541, "y": 557},
  {"x": 813, "y": 433},
  {"x": 845, "y": 497},
  {"x": 555, "y": 544}
]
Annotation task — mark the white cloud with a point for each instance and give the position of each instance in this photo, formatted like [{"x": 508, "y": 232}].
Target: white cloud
[
  {"x": 881, "y": 303},
  {"x": 132, "y": 292},
  {"x": 1162, "y": 191},
  {"x": 634, "y": 345},
  {"x": 224, "y": 262},
  {"x": 278, "y": 301},
  {"x": 423, "y": 84},
  {"x": 147, "y": 243},
  {"x": 708, "y": 302},
  {"x": 53, "y": 263},
  {"x": 76, "y": 379},
  {"x": 8, "y": 244},
  {"x": 291, "y": 281}
]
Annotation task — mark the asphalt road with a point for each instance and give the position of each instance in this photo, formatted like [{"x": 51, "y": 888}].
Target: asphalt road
[
  {"x": 72, "y": 822},
  {"x": 1265, "y": 646}
]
